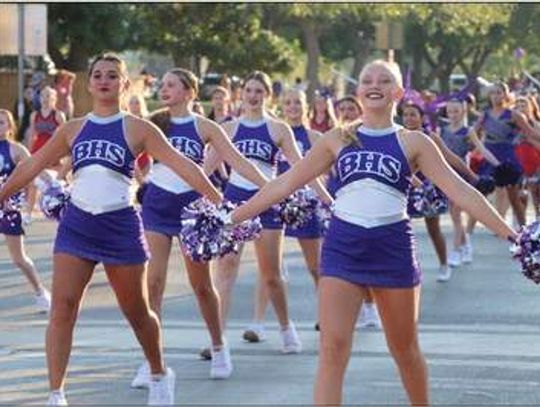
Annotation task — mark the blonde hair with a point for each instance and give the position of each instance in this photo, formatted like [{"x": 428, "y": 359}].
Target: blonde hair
[
  {"x": 391, "y": 67},
  {"x": 303, "y": 100},
  {"x": 142, "y": 103},
  {"x": 10, "y": 135}
]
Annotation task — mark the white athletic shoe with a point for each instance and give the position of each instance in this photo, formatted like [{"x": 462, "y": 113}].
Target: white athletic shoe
[
  {"x": 454, "y": 258},
  {"x": 254, "y": 333},
  {"x": 466, "y": 254},
  {"x": 369, "y": 316},
  {"x": 162, "y": 390},
  {"x": 221, "y": 366},
  {"x": 57, "y": 398},
  {"x": 291, "y": 341},
  {"x": 43, "y": 301},
  {"x": 142, "y": 378},
  {"x": 444, "y": 274}
]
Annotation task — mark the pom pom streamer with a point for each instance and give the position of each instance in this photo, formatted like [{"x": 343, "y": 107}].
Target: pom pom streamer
[
  {"x": 10, "y": 209},
  {"x": 205, "y": 235},
  {"x": 53, "y": 201},
  {"x": 296, "y": 210},
  {"x": 526, "y": 250},
  {"x": 428, "y": 200}
]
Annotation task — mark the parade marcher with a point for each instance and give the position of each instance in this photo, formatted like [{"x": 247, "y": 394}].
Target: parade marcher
[
  {"x": 528, "y": 152},
  {"x": 321, "y": 114},
  {"x": 43, "y": 123},
  {"x": 167, "y": 194},
  {"x": 460, "y": 141},
  {"x": 100, "y": 224},
  {"x": 309, "y": 236},
  {"x": 259, "y": 137},
  {"x": 11, "y": 154},
  {"x": 370, "y": 241},
  {"x": 413, "y": 119}
]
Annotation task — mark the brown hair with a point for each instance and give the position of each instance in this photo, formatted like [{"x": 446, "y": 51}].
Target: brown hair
[
  {"x": 188, "y": 79},
  {"x": 11, "y": 122},
  {"x": 221, "y": 89},
  {"x": 261, "y": 77},
  {"x": 110, "y": 57}
]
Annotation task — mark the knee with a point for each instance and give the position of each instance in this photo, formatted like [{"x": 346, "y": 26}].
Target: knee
[
  {"x": 273, "y": 282},
  {"x": 64, "y": 310},
  {"x": 335, "y": 350},
  {"x": 156, "y": 285},
  {"x": 405, "y": 351},
  {"x": 204, "y": 291}
]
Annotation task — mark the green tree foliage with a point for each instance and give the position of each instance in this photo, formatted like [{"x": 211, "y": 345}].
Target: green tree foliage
[
  {"x": 230, "y": 36},
  {"x": 448, "y": 36},
  {"x": 77, "y": 31}
]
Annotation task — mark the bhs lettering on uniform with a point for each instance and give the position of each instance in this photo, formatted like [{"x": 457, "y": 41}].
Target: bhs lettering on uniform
[
  {"x": 255, "y": 149},
  {"x": 100, "y": 150},
  {"x": 369, "y": 162},
  {"x": 187, "y": 146}
]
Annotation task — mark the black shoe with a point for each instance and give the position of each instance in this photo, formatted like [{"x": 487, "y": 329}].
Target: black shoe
[
  {"x": 205, "y": 354},
  {"x": 317, "y": 327}
]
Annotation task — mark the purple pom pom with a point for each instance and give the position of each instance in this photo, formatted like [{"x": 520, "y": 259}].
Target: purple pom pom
[
  {"x": 297, "y": 209},
  {"x": 53, "y": 201},
  {"x": 324, "y": 213},
  {"x": 10, "y": 209},
  {"x": 526, "y": 250},
  {"x": 204, "y": 234},
  {"x": 428, "y": 200}
]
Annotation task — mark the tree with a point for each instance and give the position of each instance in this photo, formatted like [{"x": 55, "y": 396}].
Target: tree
[
  {"x": 447, "y": 36},
  {"x": 230, "y": 36},
  {"x": 77, "y": 31}
]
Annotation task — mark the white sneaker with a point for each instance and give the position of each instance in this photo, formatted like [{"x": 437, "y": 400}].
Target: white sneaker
[
  {"x": 43, "y": 301},
  {"x": 466, "y": 254},
  {"x": 369, "y": 316},
  {"x": 254, "y": 333},
  {"x": 444, "y": 275},
  {"x": 57, "y": 398},
  {"x": 142, "y": 378},
  {"x": 291, "y": 341},
  {"x": 221, "y": 366},
  {"x": 454, "y": 258},
  {"x": 162, "y": 390}
]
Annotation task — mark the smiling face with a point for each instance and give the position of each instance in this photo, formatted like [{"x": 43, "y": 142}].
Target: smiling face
[
  {"x": 412, "y": 118},
  {"x": 48, "y": 98},
  {"x": 107, "y": 81},
  {"x": 455, "y": 111},
  {"x": 294, "y": 105},
  {"x": 497, "y": 95},
  {"x": 7, "y": 124},
  {"x": 379, "y": 87},
  {"x": 523, "y": 105}
]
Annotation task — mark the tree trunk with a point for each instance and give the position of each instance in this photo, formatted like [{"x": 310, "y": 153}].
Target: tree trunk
[
  {"x": 78, "y": 57},
  {"x": 360, "y": 59},
  {"x": 311, "y": 37}
]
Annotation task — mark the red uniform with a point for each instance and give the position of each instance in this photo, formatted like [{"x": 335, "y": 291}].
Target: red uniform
[{"x": 44, "y": 128}]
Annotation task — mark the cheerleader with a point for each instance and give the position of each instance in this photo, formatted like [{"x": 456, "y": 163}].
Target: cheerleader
[
  {"x": 11, "y": 154},
  {"x": 370, "y": 241},
  {"x": 321, "y": 115},
  {"x": 413, "y": 119},
  {"x": 260, "y": 137},
  {"x": 100, "y": 224},
  {"x": 461, "y": 141},
  {"x": 167, "y": 194},
  {"x": 309, "y": 236}
]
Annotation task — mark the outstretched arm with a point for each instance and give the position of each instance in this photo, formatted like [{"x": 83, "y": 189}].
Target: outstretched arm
[
  {"x": 316, "y": 162},
  {"x": 226, "y": 150},
  {"x": 56, "y": 148},
  {"x": 483, "y": 150},
  {"x": 529, "y": 131},
  {"x": 430, "y": 161},
  {"x": 158, "y": 147},
  {"x": 292, "y": 154}
]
